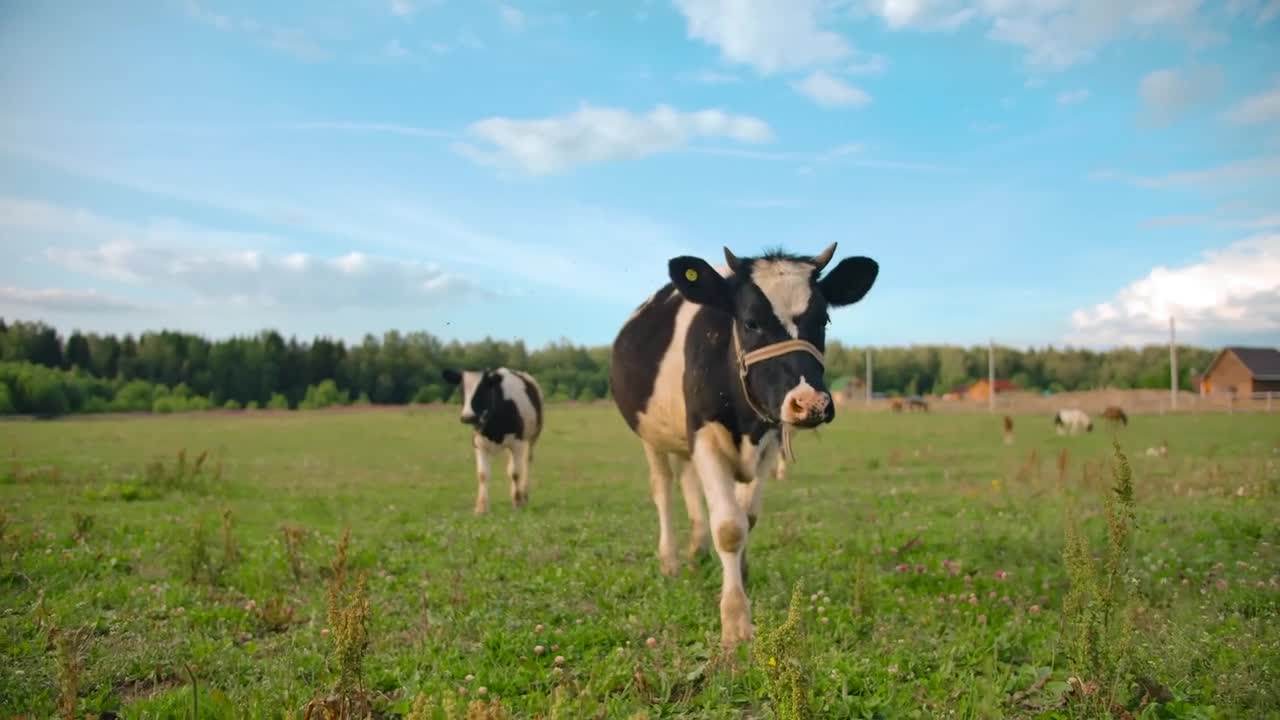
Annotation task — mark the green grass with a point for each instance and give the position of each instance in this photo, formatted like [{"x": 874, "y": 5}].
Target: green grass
[{"x": 928, "y": 553}]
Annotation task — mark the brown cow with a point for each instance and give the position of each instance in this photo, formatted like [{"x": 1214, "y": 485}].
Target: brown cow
[{"x": 1115, "y": 415}]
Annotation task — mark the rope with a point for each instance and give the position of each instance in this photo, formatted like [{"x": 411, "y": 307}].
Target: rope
[{"x": 768, "y": 352}]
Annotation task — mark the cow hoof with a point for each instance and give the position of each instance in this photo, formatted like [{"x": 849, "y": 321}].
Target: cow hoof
[
  {"x": 481, "y": 508},
  {"x": 669, "y": 565}
]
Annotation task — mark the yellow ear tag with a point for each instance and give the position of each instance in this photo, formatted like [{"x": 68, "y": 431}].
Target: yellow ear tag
[{"x": 691, "y": 275}]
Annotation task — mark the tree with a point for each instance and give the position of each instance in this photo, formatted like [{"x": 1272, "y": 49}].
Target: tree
[{"x": 77, "y": 354}]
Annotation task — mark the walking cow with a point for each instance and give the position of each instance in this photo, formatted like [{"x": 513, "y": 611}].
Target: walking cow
[
  {"x": 713, "y": 372},
  {"x": 504, "y": 409}
]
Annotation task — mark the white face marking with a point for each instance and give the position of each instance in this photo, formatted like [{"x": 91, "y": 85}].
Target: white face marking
[
  {"x": 470, "y": 378},
  {"x": 786, "y": 285}
]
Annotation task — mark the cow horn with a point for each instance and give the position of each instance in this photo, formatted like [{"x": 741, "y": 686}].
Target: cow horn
[
  {"x": 824, "y": 257},
  {"x": 731, "y": 259}
]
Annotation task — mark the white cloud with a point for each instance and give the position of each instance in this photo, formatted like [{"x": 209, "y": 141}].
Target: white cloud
[
  {"x": 63, "y": 300},
  {"x": 596, "y": 134},
  {"x": 1258, "y": 109},
  {"x": 1243, "y": 170},
  {"x": 870, "y": 64},
  {"x": 1169, "y": 94},
  {"x": 1073, "y": 97},
  {"x": 401, "y": 7},
  {"x": 1262, "y": 222},
  {"x": 1233, "y": 292},
  {"x": 1054, "y": 34},
  {"x": 370, "y": 127},
  {"x": 213, "y": 265},
  {"x": 828, "y": 91},
  {"x": 512, "y": 17},
  {"x": 922, "y": 14},
  {"x": 395, "y": 50},
  {"x": 770, "y": 35},
  {"x": 293, "y": 41},
  {"x": 1263, "y": 13},
  {"x": 1269, "y": 13},
  {"x": 711, "y": 77}
]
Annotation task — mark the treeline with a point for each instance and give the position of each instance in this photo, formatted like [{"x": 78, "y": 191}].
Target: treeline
[{"x": 43, "y": 372}]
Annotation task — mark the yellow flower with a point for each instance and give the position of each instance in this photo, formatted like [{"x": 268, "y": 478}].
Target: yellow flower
[{"x": 773, "y": 662}]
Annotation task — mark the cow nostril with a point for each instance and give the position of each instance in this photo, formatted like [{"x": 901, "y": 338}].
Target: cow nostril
[{"x": 797, "y": 407}]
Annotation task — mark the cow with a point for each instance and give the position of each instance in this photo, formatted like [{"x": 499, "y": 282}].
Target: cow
[
  {"x": 1072, "y": 421},
  {"x": 1008, "y": 430},
  {"x": 917, "y": 403},
  {"x": 713, "y": 373},
  {"x": 504, "y": 409},
  {"x": 1115, "y": 415}
]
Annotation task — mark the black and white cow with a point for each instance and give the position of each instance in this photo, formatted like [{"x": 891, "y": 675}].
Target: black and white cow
[
  {"x": 504, "y": 409},
  {"x": 709, "y": 371}
]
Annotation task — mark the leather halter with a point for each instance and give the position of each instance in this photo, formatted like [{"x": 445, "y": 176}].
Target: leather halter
[{"x": 768, "y": 352}]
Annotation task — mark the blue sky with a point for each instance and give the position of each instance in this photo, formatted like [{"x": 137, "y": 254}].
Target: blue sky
[{"x": 1037, "y": 171}]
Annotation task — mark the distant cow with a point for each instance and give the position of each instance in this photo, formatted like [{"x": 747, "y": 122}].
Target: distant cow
[
  {"x": 1008, "y": 430},
  {"x": 1115, "y": 415},
  {"x": 504, "y": 409},
  {"x": 916, "y": 403},
  {"x": 713, "y": 372},
  {"x": 1072, "y": 421}
]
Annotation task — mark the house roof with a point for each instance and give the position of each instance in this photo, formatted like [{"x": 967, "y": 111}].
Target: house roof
[{"x": 1262, "y": 363}]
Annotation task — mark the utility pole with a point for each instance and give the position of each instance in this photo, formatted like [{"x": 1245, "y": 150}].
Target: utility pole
[
  {"x": 868, "y": 376},
  {"x": 1173, "y": 367},
  {"x": 991, "y": 375}
]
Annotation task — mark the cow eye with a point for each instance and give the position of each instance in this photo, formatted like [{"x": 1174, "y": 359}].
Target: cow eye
[{"x": 751, "y": 325}]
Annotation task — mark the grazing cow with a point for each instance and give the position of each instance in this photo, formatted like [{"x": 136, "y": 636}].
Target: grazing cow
[
  {"x": 1115, "y": 415},
  {"x": 1072, "y": 421},
  {"x": 504, "y": 409},
  {"x": 896, "y": 405},
  {"x": 916, "y": 403},
  {"x": 713, "y": 373}
]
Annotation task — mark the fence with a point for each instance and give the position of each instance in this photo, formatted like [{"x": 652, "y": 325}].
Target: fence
[{"x": 1133, "y": 402}]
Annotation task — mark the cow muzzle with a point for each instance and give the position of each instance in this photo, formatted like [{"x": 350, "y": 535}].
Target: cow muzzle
[
  {"x": 804, "y": 406},
  {"x": 807, "y": 407}
]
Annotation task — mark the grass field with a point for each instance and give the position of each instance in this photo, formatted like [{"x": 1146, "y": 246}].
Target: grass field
[{"x": 929, "y": 556}]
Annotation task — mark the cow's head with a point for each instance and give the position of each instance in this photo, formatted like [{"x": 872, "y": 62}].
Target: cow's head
[
  {"x": 773, "y": 299},
  {"x": 481, "y": 392}
]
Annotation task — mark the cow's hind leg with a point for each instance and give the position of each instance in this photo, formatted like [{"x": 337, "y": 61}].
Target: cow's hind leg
[
  {"x": 699, "y": 541},
  {"x": 518, "y": 471},
  {"x": 660, "y": 490},
  {"x": 482, "y": 476}
]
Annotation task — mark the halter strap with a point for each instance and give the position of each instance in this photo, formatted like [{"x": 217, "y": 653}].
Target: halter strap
[{"x": 768, "y": 352}]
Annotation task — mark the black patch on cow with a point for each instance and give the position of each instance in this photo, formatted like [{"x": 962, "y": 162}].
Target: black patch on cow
[{"x": 638, "y": 350}]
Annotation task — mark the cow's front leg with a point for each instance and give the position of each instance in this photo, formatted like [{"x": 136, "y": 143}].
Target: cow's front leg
[
  {"x": 482, "y": 476},
  {"x": 729, "y": 530},
  {"x": 660, "y": 489}
]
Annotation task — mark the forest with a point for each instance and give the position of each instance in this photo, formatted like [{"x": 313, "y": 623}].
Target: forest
[{"x": 44, "y": 372}]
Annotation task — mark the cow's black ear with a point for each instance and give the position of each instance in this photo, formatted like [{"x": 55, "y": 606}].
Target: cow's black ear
[
  {"x": 451, "y": 376},
  {"x": 849, "y": 281},
  {"x": 699, "y": 283}
]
